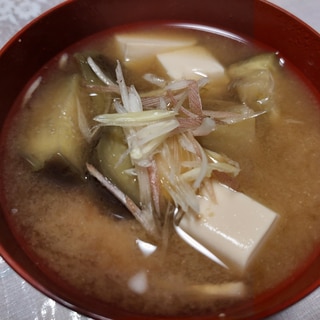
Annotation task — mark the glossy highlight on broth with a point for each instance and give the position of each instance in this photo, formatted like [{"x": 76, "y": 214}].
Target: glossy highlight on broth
[{"x": 76, "y": 229}]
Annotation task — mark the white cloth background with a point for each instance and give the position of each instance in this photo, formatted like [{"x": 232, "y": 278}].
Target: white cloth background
[{"x": 20, "y": 301}]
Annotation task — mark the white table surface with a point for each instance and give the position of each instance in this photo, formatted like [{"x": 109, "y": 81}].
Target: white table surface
[{"x": 19, "y": 300}]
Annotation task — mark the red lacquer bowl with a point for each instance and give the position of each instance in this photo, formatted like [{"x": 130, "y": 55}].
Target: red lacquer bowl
[{"x": 72, "y": 21}]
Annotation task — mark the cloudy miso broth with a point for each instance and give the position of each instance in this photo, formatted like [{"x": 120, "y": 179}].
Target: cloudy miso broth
[{"x": 262, "y": 123}]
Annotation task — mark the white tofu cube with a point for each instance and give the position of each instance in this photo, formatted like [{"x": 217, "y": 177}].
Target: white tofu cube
[
  {"x": 137, "y": 46},
  {"x": 191, "y": 63},
  {"x": 224, "y": 290},
  {"x": 232, "y": 228}
]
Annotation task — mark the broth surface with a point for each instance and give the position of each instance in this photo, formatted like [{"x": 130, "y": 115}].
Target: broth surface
[{"x": 77, "y": 230}]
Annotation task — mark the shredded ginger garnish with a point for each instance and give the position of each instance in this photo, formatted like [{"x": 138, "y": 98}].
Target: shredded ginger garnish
[{"x": 170, "y": 164}]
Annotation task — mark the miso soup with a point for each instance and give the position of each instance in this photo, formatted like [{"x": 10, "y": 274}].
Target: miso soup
[{"x": 214, "y": 105}]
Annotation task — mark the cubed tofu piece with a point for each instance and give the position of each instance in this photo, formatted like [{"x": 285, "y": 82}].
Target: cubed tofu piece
[
  {"x": 191, "y": 63},
  {"x": 234, "y": 290},
  {"x": 232, "y": 227},
  {"x": 137, "y": 46}
]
